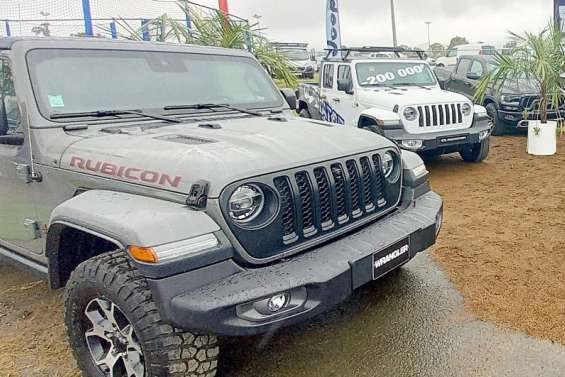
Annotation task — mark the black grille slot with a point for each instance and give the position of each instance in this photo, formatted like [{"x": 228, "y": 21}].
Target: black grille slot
[
  {"x": 306, "y": 201},
  {"x": 447, "y": 115},
  {"x": 368, "y": 192},
  {"x": 325, "y": 197},
  {"x": 287, "y": 206},
  {"x": 459, "y": 113},
  {"x": 379, "y": 184},
  {"x": 428, "y": 120},
  {"x": 421, "y": 117},
  {"x": 434, "y": 114},
  {"x": 356, "y": 199},
  {"x": 340, "y": 193},
  {"x": 454, "y": 114},
  {"x": 441, "y": 115}
]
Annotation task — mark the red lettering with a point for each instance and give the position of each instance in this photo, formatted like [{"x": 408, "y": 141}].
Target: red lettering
[
  {"x": 168, "y": 180},
  {"x": 150, "y": 176},
  {"x": 129, "y": 171},
  {"x": 108, "y": 169},
  {"x": 77, "y": 162},
  {"x": 95, "y": 168},
  {"x": 121, "y": 171}
]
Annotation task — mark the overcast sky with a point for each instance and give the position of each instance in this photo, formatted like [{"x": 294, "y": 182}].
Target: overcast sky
[
  {"x": 363, "y": 22},
  {"x": 367, "y": 22}
]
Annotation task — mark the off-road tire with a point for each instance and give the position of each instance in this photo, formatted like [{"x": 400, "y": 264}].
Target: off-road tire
[
  {"x": 167, "y": 352},
  {"x": 304, "y": 113},
  {"x": 498, "y": 125},
  {"x": 477, "y": 152}
]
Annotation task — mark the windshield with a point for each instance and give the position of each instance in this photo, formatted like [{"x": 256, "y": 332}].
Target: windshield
[
  {"x": 394, "y": 73},
  {"x": 295, "y": 54},
  {"x": 488, "y": 50},
  {"x": 76, "y": 81}
]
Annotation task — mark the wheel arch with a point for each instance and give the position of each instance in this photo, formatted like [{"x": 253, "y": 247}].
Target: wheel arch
[{"x": 68, "y": 245}]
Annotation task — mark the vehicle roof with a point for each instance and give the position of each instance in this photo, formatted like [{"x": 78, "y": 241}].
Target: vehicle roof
[
  {"x": 112, "y": 44},
  {"x": 473, "y": 45},
  {"x": 364, "y": 59},
  {"x": 487, "y": 58}
]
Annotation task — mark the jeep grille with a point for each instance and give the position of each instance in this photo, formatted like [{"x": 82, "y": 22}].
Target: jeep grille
[
  {"x": 440, "y": 115},
  {"x": 318, "y": 201}
]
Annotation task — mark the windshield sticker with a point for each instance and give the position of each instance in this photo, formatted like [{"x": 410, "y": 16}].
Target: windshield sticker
[
  {"x": 56, "y": 101},
  {"x": 391, "y": 76}
]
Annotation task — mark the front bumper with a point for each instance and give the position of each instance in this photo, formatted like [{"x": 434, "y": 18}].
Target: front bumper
[
  {"x": 514, "y": 117},
  {"x": 449, "y": 141},
  {"x": 315, "y": 280}
]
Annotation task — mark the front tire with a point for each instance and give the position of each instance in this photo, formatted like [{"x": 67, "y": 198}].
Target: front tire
[
  {"x": 476, "y": 152},
  {"x": 498, "y": 126},
  {"x": 115, "y": 329}
]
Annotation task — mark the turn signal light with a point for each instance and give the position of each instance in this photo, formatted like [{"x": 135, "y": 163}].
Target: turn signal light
[{"x": 143, "y": 254}]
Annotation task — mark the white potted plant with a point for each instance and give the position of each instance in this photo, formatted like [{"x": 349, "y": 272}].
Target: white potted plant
[{"x": 540, "y": 58}]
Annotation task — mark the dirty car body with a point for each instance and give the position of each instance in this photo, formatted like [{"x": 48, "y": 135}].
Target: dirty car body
[{"x": 331, "y": 208}]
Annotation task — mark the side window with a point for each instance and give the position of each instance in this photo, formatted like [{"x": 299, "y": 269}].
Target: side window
[
  {"x": 463, "y": 67},
  {"x": 328, "y": 76},
  {"x": 344, "y": 72},
  {"x": 477, "y": 68},
  {"x": 10, "y": 117},
  {"x": 452, "y": 53}
]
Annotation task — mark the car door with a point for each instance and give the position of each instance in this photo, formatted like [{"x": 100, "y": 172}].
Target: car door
[
  {"x": 458, "y": 82},
  {"x": 18, "y": 229},
  {"x": 328, "y": 95},
  {"x": 343, "y": 97},
  {"x": 475, "y": 74}
]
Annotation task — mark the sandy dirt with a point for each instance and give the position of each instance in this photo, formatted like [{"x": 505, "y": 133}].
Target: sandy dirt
[{"x": 502, "y": 245}]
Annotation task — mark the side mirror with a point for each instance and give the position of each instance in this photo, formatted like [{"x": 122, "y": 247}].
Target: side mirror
[
  {"x": 345, "y": 85},
  {"x": 290, "y": 97},
  {"x": 473, "y": 76}
]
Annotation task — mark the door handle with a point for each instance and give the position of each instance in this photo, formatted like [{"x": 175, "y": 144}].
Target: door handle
[{"x": 337, "y": 100}]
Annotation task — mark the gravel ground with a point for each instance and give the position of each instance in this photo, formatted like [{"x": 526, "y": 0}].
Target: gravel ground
[{"x": 501, "y": 245}]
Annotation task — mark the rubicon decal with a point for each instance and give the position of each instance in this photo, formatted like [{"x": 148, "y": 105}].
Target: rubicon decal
[{"x": 127, "y": 172}]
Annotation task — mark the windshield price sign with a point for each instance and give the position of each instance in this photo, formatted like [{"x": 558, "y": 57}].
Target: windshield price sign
[{"x": 393, "y": 75}]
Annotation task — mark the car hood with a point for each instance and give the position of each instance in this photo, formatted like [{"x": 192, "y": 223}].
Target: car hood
[
  {"x": 173, "y": 157},
  {"x": 521, "y": 86},
  {"x": 388, "y": 99}
]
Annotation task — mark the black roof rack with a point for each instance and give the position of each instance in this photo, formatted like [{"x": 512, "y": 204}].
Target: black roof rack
[
  {"x": 285, "y": 44},
  {"x": 369, "y": 49}
]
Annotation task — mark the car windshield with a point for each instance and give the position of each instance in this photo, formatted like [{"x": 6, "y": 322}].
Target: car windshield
[
  {"x": 394, "y": 73},
  {"x": 488, "y": 50},
  {"x": 295, "y": 54},
  {"x": 77, "y": 81}
]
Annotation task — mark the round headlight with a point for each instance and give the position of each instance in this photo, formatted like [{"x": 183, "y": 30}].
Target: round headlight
[
  {"x": 466, "y": 109},
  {"x": 388, "y": 164},
  {"x": 411, "y": 114},
  {"x": 246, "y": 203}
]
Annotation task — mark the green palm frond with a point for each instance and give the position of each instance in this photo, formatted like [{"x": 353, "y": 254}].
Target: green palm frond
[{"x": 537, "y": 57}]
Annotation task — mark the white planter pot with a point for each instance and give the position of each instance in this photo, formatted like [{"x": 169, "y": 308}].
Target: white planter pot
[{"x": 542, "y": 142}]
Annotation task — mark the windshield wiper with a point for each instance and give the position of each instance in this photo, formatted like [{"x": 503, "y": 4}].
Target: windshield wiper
[
  {"x": 414, "y": 84},
  {"x": 210, "y": 106},
  {"x": 108, "y": 113}
]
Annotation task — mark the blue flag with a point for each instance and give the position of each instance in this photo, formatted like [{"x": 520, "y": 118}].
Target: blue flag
[{"x": 333, "y": 32}]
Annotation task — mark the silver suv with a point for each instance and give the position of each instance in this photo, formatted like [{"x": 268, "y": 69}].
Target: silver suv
[{"x": 173, "y": 193}]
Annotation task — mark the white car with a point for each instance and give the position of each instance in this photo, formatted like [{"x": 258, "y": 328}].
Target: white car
[
  {"x": 401, "y": 100},
  {"x": 453, "y": 54}
]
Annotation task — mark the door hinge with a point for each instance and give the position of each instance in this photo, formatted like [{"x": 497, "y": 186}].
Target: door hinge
[
  {"x": 24, "y": 172},
  {"x": 32, "y": 227}
]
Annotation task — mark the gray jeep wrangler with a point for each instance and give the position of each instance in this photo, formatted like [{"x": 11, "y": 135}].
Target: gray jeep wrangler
[{"x": 173, "y": 193}]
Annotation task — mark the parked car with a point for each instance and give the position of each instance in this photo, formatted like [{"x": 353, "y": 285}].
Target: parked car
[
  {"x": 399, "y": 99},
  {"x": 454, "y": 53},
  {"x": 301, "y": 59},
  {"x": 506, "y": 105},
  {"x": 174, "y": 193}
]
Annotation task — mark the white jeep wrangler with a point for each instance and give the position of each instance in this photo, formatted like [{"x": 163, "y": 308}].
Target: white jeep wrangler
[{"x": 399, "y": 98}]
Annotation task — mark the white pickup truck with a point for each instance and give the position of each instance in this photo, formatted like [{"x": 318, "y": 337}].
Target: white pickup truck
[{"x": 399, "y": 98}]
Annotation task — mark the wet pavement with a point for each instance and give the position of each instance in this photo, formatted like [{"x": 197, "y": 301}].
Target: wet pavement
[{"x": 411, "y": 323}]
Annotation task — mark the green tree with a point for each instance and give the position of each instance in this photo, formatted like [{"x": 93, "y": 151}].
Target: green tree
[
  {"x": 219, "y": 30},
  {"x": 456, "y": 41},
  {"x": 537, "y": 57},
  {"x": 437, "y": 50}
]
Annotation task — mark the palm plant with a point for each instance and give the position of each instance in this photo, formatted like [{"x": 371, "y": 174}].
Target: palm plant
[
  {"x": 538, "y": 57},
  {"x": 219, "y": 30}
]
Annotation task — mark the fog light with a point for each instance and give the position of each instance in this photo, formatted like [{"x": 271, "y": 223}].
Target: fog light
[
  {"x": 277, "y": 302},
  {"x": 412, "y": 144}
]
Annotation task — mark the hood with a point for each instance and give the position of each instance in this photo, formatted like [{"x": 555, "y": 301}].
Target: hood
[
  {"x": 521, "y": 86},
  {"x": 387, "y": 99},
  {"x": 173, "y": 157},
  {"x": 301, "y": 63}
]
